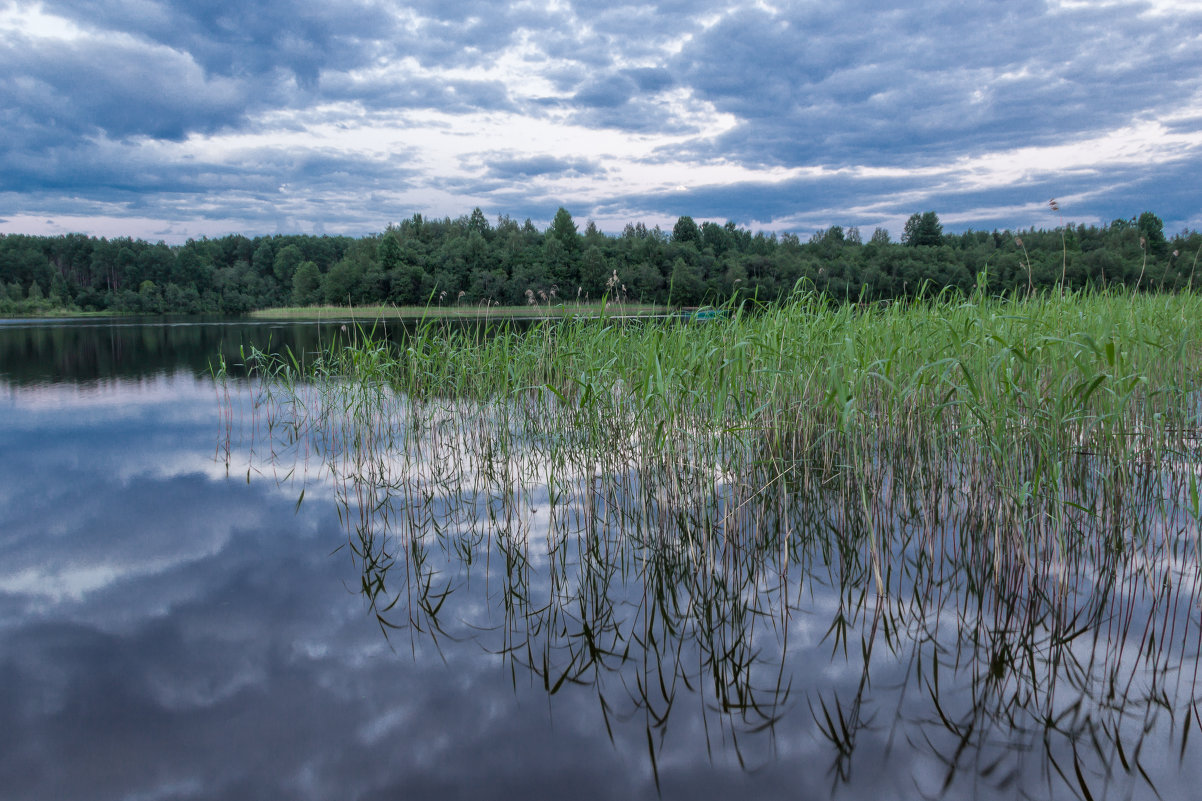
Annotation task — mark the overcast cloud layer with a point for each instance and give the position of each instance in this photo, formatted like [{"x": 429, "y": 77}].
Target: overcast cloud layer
[{"x": 174, "y": 118}]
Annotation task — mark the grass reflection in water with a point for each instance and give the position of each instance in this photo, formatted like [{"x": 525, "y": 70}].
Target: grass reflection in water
[{"x": 989, "y": 510}]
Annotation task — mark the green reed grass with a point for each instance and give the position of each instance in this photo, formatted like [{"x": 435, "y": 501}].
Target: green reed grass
[
  {"x": 1020, "y": 389},
  {"x": 1032, "y": 462},
  {"x": 1039, "y": 434}
]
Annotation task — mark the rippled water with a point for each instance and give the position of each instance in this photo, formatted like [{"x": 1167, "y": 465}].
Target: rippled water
[{"x": 175, "y": 624}]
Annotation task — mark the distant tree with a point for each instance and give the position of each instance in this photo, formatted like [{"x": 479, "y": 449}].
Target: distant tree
[
  {"x": 687, "y": 286},
  {"x": 307, "y": 284},
  {"x": 594, "y": 271},
  {"x": 714, "y": 236},
  {"x": 834, "y": 235},
  {"x": 372, "y": 284},
  {"x": 923, "y": 230},
  {"x": 341, "y": 284},
  {"x": 564, "y": 229},
  {"x": 285, "y": 263},
  {"x": 478, "y": 223},
  {"x": 263, "y": 259},
  {"x": 188, "y": 269},
  {"x": 685, "y": 230},
  {"x": 634, "y": 231},
  {"x": 880, "y": 236},
  {"x": 389, "y": 253},
  {"x": 1151, "y": 228},
  {"x": 150, "y": 299}
]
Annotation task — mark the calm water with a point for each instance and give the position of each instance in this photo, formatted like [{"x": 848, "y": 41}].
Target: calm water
[{"x": 173, "y": 627}]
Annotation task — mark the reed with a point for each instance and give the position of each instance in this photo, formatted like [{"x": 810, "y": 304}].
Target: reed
[{"x": 1026, "y": 466}]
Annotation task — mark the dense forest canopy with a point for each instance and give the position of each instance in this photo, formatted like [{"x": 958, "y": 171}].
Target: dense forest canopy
[{"x": 472, "y": 261}]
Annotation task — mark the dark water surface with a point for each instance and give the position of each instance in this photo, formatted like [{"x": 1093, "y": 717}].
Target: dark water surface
[{"x": 174, "y": 628}]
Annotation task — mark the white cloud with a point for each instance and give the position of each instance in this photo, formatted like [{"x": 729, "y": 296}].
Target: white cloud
[
  {"x": 388, "y": 111},
  {"x": 31, "y": 20}
]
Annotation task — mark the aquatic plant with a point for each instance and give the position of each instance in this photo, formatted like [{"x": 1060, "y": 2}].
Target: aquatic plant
[{"x": 1000, "y": 494}]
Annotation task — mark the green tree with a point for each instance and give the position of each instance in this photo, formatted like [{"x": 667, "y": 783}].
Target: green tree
[
  {"x": 564, "y": 229},
  {"x": 409, "y": 285},
  {"x": 685, "y": 230},
  {"x": 188, "y": 269},
  {"x": 593, "y": 236},
  {"x": 478, "y": 223},
  {"x": 263, "y": 259},
  {"x": 923, "y": 230},
  {"x": 341, "y": 284},
  {"x": 687, "y": 285},
  {"x": 306, "y": 284},
  {"x": 371, "y": 287},
  {"x": 1151, "y": 228},
  {"x": 285, "y": 263},
  {"x": 594, "y": 272},
  {"x": 150, "y": 298},
  {"x": 715, "y": 237},
  {"x": 389, "y": 253}
]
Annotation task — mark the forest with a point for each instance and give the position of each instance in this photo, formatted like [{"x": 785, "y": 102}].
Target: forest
[{"x": 469, "y": 260}]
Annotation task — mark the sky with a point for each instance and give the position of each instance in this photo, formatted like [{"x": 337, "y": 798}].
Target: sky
[{"x": 174, "y": 119}]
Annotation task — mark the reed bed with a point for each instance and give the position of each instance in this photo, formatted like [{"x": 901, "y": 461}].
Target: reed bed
[{"x": 1002, "y": 492}]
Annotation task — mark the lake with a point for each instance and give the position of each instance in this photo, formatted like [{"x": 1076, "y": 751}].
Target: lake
[{"x": 178, "y": 621}]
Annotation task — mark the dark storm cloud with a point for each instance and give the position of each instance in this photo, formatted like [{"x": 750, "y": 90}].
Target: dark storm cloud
[
  {"x": 191, "y": 69},
  {"x": 627, "y": 100},
  {"x": 859, "y": 84},
  {"x": 608, "y": 92},
  {"x": 448, "y": 96},
  {"x": 56, "y": 92},
  {"x": 853, "y": 84},
  {"x": 440, "y": 44},
  {"x": 844, "y": 198},
  {"x": 516, "y": 168},
  {"x": 241, "y": 39},
  {"x": 91, "y": 172},
  {"x": 642, "y": 116},
  {"x": 650, "y": 79},
  {"x": 764, "y": 201}
]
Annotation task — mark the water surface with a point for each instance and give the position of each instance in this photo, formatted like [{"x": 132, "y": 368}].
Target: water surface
[{"x": 174, "y": 624}]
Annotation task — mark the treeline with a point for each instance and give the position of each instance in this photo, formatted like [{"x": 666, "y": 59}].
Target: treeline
[{"x": 472, "y": 261}]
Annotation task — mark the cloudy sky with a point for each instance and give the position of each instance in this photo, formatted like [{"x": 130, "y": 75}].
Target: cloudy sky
[{"x": 169, "y": 119}]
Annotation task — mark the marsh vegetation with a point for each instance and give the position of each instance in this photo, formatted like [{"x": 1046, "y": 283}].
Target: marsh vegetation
[{"x": 982, "y": 514}]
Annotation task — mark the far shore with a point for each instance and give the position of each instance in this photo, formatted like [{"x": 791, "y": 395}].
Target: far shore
[
  {"x": 462, "y": 311},
  {"x": 473, "y": 312},
  {"x": 52, "y": 314}
]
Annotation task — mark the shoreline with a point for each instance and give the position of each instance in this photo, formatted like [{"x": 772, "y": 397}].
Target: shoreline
[{"x": 456, "y": 312}]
